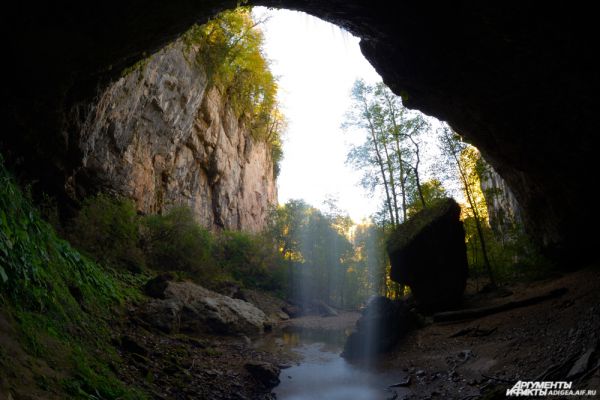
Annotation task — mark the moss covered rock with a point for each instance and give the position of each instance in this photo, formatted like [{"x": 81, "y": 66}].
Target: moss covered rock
[{"x": 428, "y": 253}]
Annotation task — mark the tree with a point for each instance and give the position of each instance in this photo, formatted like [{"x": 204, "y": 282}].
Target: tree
[
  {"x": 427, "y": 193},
  {"x": 317, "y": 250},
  {"x": 391, "y": 155},
  {"x": 366, "y": 115},
  {"x": 461, "y": 155}
]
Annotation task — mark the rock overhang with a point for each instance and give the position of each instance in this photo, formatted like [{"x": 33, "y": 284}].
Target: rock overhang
[{"x": 517, "y": 80}]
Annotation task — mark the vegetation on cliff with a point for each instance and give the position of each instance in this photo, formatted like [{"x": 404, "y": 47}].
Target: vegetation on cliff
[{"x": 230, "y": 50}]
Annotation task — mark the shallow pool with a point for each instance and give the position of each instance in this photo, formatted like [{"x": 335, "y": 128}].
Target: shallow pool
[{"x": 323, "y": 374}]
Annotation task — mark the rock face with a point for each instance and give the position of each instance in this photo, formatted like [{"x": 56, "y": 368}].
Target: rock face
[
  {"x": 382, "y": 324},
  {"x": 162, "y": 137},
  {"x": 518, "y": 80},
  {"x": 428, "y": 253},
  {"x": 190, "y": 308},
  {"x": 503, "y": 208}
]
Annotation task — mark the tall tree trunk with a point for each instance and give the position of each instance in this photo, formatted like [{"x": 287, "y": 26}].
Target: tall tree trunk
[
  {"x": 380, "y": 163},
  {"x": 390, "y": 166},
  {"x": 396, "y": 135},
  {"x": 465, "y": 182},
  {"x": 416, "y": 170}
]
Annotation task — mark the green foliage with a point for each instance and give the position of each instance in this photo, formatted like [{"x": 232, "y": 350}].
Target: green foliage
[
  {"x": 367, "y": 274},
  {"x": 316, "y": 250},
  {"x": 229, "y": 48},
  {"x": 510, "y": 253},
  {"x": 59, "y": 299},
  {"x": 251, "y": 259},
  {"x": 110, "y": 231},
  {"x": 175, "y": 242},
  {"x": 433, "y": 191},
  {"x": 107, "y": 229},
  {"x": 138, "y": 66},
  {"x": 36, "y": 266},
  {"x": 94, "y": 380},
  {"x": 390, "y": 157}
]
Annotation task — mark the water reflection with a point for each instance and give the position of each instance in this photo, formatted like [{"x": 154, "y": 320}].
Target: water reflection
[
  {"x": 323, "y": 374},
  {"x": 331, "y": 340}
]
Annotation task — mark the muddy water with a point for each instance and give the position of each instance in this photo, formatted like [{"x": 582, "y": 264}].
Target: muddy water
[{"x": 322, "y": 374}]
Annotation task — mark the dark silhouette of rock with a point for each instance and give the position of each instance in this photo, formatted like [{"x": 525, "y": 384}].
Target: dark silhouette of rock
[
  {"x": 428, "y": 253},
  {"x": 382, "y": 324},
  {"x": 156, "y": 286},
  {"x": 265, "y": 373}
]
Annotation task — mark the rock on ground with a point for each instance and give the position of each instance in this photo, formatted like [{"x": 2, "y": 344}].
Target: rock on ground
[
  {"x": 382, "y": 324},
  {"x": 428, "y": 253},
  {"x": 188, "y": 307},
  {"x": 265, "y": 373}
]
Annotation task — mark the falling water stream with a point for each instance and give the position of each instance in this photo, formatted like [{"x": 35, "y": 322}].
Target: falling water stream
[{"x": 323, "y": 374}]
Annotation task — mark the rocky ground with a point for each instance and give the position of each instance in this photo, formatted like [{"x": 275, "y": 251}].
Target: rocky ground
[
  {"x": 187, "y": 367},
  {"x": 481, "y": 358},
  {"x": 460, "y": 360},
  {"x": 200, "y": 364}
]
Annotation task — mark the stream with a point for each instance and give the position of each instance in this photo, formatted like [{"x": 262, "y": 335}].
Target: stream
[{"x": 322, "y": 374}]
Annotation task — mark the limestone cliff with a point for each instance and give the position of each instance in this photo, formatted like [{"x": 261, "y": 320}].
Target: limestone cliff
[
  {"x": 163, "y": 136},
  {"x": 503, "y": 208}
]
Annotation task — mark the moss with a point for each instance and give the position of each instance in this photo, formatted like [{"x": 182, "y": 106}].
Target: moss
[
  {"x": 212, "y": 352},
  {"x": 137, "y": 67},
  {"x": 406, "y": 232}
]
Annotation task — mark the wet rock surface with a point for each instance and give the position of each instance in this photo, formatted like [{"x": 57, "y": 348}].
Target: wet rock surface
[{"x": 428, "y": 253}]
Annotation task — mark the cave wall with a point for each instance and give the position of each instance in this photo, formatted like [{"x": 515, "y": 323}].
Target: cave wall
[
  {"x": 162, "y": 136},
  {"x": 518, "y": 80}
]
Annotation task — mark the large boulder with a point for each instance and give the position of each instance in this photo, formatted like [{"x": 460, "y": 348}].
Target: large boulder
[
  {"x": 428, "y": 253},
  {"x": 190, "y": 308},
  {"x": 382, "y": 324}
]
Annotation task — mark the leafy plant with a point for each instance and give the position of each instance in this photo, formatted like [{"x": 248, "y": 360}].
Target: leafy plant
[
  {"x": 250, "y": 259},
  {"x": 52, "y": 291},
  {"x": 107, "y": 228},
  {"x": 175, "y": 242}
]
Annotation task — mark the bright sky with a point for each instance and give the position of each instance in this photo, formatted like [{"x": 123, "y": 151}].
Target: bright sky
[{"x": 317, "y": 64}]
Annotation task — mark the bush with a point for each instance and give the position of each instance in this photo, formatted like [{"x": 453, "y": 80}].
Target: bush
[
  {"x": 250, "y": 259},
  {"x": 107, "y": 229},
  {"x": 175, "y": 242}
]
